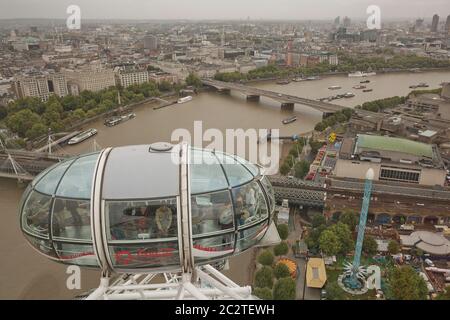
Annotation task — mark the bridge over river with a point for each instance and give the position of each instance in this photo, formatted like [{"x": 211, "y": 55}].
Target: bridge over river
[{"x": 287, "y": 101}]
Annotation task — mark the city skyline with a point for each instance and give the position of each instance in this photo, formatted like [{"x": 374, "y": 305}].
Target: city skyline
[{"x": 207, "y": 10}]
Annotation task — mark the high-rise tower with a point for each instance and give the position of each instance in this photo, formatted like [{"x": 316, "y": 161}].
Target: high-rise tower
[{"x": 435, "y": 23}]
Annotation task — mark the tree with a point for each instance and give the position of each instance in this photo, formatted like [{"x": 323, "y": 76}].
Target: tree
[
  {"x": 329, "y": 243},
  {"x": 318, "y": 220},
  {"x": 281, "y": 249},
  {"x": 263, "y": 293},
  {"x": 37, "y": 130},
  {"x": 344, "y": 235},
  {"x": 407, "y": 284},
  {"x": 281, "y": 271},
  {"x": 264, "y": 278},
  {"x": 312, "y": 239},
  {"x": 22, "y": 121},
  {"x": 284, "y": 289},
  {"x": 293, "y": 152},
  {"x": 165, "y": 86},
  {"x": 315, "y": 146},
  {"x": 350, "y": 218},
  {"x": 370, "y": 246},
  {"x": 334, "y": 292},
  {"x": 301, "y": 169},
  {"x": 266, "y": 258},
  {"x": 193, "y": 80},
  {"x": 393, "y": 247},
  {"x": 285, "y": 168},
  {"x": 283, "y": 231}
]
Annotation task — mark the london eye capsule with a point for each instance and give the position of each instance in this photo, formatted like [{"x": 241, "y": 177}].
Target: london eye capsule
[{"x": 147, "y": 208}]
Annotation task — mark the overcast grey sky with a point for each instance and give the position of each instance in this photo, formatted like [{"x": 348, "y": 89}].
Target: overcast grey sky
[{"x": 222, "y": 9}]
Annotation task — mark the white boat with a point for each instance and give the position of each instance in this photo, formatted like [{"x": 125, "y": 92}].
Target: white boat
[
  {"x": 128, "y": 116},
  {"x": 289, "y": 120},
  {"x": 359, "y": 74},
  {"x": 349, "y": 95},
  {"x": 334, "y": 87},
  {"x": 113, "y": 121},
  {"x": 83, "y": 136},
  {"x": 185, "y": 99}
]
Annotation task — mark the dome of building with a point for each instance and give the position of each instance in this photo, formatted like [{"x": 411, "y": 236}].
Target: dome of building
[{"x": 147, "y": 208}]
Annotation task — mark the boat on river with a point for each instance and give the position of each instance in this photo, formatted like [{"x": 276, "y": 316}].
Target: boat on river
[
  {"x": 83, "y": 136},
  {"x": 185, "y": 99},
  {"x": 289, "y": 120},
  {"x": 359, "y": 74},
  {"x": 283, "y": 81}
]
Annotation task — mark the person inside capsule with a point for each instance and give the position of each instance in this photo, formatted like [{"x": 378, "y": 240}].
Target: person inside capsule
[{"x": 141, "y": 220}]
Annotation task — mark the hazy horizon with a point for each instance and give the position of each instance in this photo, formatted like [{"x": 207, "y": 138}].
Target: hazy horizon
[{"x": 222, "y": 10}]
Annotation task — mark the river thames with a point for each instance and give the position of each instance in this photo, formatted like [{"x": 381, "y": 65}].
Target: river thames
[{"x": 24, "y": 274}]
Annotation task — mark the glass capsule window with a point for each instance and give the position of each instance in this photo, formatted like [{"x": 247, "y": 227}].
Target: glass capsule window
[
  {"x": 80, "y": 254},
  {"x": 142, "y": 220},
  {"x": 71, "y": 219},
  {"x": 250, "y": 204},
  {"x": 206, "y": 172},
  {"x": 211, "y": 248},
  {"x": 77, "y": 180},
  {"x": 251, "y": 236},
  {"x": 50, "y": 181},
  {"x": 56, "y": 211},
  {"x": 212, "y": 212},
  {"x": 36, "y": 214}
]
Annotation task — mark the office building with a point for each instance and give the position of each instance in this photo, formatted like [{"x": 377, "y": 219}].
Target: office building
[
  {"x": 435, "y": 23},
  {"x": 128, "y": 76},
  {"x": 91, "y": 78},
  {"x": 40, "y": 85},
  {"x": 150, "y": 43}
]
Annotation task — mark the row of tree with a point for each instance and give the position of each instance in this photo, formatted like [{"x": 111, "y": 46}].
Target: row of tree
[
  {"x": 338, "y": 117},
  {"x": 381, "y": 104},
  {"x": 30, "y": 118},
  {"x": 273, "y": 280},
  {"x": 337, "y": 239},
  {"x": 347, "y": 63}
]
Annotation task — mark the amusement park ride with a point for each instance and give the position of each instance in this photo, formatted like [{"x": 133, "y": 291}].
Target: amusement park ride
[
  {"x": 354, "y": 278},
  {"x": 155, "y": 219}
]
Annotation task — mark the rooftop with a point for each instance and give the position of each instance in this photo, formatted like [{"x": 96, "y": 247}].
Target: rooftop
[
  {"x": 395, "y": 145},
  {"x": 316, "y": 275}
]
